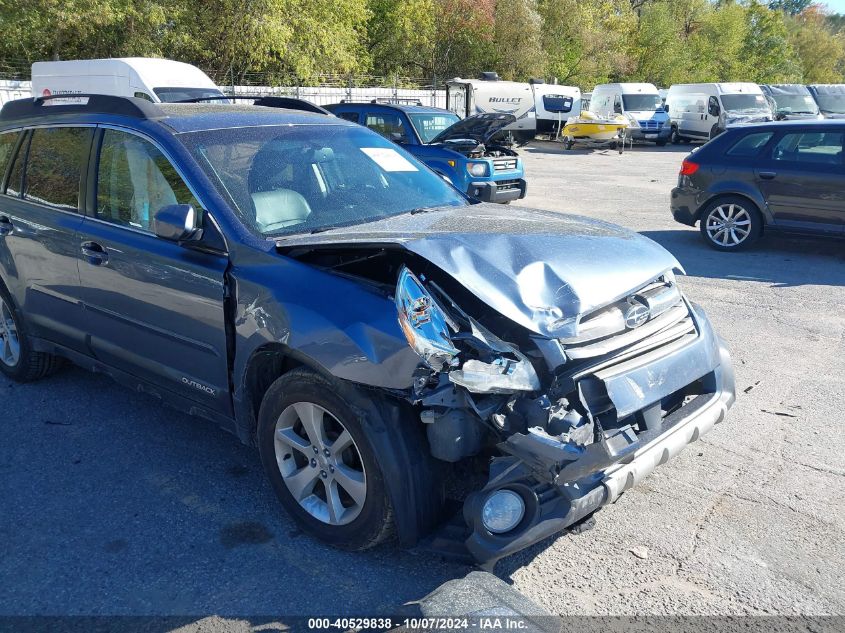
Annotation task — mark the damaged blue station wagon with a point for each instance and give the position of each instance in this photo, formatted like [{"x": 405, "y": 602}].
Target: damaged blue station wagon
[{"x": 316, "y": 290}]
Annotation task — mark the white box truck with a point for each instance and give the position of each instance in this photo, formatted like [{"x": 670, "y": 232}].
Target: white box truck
[
  {"x": 157, "y": 80},
  {"x": 539, "y": 107},
  {"x": 702, "y": 111},
  {"x": 640, "y": 103}
]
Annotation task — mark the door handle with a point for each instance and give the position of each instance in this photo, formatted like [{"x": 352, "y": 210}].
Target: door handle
[
  {"x": 94, "y": 254},
  {"x": 767, "y": 175},
  {"x": 6, "y": 225}
]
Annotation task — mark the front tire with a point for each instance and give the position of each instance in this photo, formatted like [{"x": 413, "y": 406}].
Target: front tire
[
  {"x": 730, "y": 223},
  {"x": 319, "y": 453},
  {"x": 18, "y": 360}
]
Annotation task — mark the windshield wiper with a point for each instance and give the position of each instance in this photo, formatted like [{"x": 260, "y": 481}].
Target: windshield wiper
[
  {"x": 323, "y": 229},
  {"x": 421, "y": 210}
]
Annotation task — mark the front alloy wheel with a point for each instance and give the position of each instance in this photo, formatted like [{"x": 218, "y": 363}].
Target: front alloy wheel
[
  {"x": 320, "y": 463},
  {"x": 729, "y": 225},
  {"x": 10, "y": 345}
]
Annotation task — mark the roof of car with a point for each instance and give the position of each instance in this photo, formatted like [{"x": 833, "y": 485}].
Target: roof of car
[
  {"x": 403, "y": 107},
  {"x": 193, "y": 117},
  {"x": 780, "y": 125},
  {"x": 181, "y": 117}
]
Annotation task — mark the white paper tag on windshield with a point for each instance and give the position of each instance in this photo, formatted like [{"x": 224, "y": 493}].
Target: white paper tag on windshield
[{"x": 388, "y": 159}]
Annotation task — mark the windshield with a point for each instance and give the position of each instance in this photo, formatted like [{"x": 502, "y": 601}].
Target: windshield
[
  {"x": 430, "y": 125},
  {"x": 744, "y": 103},
  {"x": 642, "y": 103},
  {"x": 173, "y": 95},
  {"x": 796, "y": 104},
  {"x": 831, "y": 104},
  {"x": 293, "y": 179}
]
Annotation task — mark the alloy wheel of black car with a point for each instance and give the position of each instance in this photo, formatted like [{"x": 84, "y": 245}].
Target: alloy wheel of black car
[{"x": 730, "y": 224}]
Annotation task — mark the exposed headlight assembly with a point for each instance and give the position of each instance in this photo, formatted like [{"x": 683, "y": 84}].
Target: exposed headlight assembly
[
  {"x": 423, "y": 322},
  {"x": 427, "y": 327}
]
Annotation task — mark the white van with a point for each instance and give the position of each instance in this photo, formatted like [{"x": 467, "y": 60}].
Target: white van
[
  {"x": 831, "y": 99},
  {"x": 529, "y": 102},
  {"x": 158, "y": 80},
  {"x": 701, "y": 111},
  {"x": 641, "y": 104}
]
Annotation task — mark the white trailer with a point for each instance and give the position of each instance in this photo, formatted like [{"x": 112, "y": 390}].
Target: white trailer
[{"x": 529, "y": 102}]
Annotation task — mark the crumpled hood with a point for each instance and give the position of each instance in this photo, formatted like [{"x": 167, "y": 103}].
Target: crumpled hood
[{"x": 540, "y": 269}]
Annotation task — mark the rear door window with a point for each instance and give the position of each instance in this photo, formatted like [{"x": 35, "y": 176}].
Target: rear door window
[
  {"x": 810, "y": 148},
  {"x": 388, "y": 125},
  {"x": 750, "y": 145},
  {"x": 54, "y": 166}
]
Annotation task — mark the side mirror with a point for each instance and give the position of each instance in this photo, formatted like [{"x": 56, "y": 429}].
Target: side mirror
[
  {"x": 397, "y": 137},
  {"x": 177, "y": 223},
  {"x": 666, "y": 107},
  {"x": 617, "y": 108}
]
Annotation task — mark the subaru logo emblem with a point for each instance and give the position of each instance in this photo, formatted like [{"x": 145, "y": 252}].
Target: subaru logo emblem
[{"x": 636, "y": 315}]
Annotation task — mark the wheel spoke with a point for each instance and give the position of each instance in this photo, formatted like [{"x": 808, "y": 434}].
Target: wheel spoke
[
  {"x": 336, "y": 509},
  {"x": 352, "y": 481},
  {"x": 343, "y": 441},
  {"x": 311, "y": 417},
  {"x": 735, "y": 239},
  {"x": 290, "y": 438},
  {"x": 721, "y": 211},
  {"x": 301, "y": 483},
  {"x": 731, "y": 210}
]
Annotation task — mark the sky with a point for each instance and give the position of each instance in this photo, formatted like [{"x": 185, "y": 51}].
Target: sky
[{"x": 837, "y": 6}]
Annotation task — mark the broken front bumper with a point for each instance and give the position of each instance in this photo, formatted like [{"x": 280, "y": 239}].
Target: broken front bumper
[{"x": 560, "y": 488}]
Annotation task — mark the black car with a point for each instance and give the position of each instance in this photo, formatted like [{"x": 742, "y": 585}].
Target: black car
[{"x": 785, "y": 176}]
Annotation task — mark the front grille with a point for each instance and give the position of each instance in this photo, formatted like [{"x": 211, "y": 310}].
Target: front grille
[
  {"x": 507, "y": 184},
  {"x": 610, "y": 330},
  {"x": 650, "y": 124},
  {"x": 504, "y": 164}
]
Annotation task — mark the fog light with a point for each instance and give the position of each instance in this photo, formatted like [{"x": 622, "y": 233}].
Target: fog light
[{"x": 502, "y": 511}]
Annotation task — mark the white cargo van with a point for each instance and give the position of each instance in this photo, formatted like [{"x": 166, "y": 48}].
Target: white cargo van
[
  {"x": 790, "y": 101},
  {"x": 537, "y": 106},
  {"x": 701, "y": 111},
  {"x": 158, "y": 80},
  {"x": 641, "y": 104}
]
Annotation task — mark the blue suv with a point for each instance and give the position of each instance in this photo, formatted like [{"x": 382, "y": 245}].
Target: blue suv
[
  {"x": 463, "y": 150},
  {"x": 317, "y": 291}
]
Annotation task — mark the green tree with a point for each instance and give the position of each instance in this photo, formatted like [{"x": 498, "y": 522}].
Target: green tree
[
  {"x": 586, "y": 43},
  {"x": 790, "y": 7},
  {"x": 767, "y": 53},
  {"x": 517, "y": 42},
  {"x": 821, "y": 52}
]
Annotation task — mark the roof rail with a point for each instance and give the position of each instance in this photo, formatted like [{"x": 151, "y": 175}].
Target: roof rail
[
  {"x": 289, "y": 103},
  {"x": 75, "y": 103},
  {"x": 397, "y": 101}
]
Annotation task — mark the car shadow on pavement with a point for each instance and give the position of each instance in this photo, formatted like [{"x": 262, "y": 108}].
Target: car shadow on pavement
[{"x": 778, "y": 260}]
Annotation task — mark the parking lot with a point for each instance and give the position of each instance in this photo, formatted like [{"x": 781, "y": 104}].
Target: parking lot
[{"x": 112, "y": 504}]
